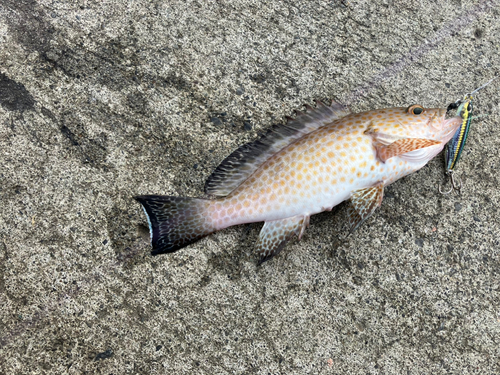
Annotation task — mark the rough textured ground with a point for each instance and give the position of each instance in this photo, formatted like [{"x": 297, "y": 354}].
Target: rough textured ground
[{"x": 101, "y": 101}]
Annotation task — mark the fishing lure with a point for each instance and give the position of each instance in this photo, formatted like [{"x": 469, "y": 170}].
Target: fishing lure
[{"x": 456, "y": 145}]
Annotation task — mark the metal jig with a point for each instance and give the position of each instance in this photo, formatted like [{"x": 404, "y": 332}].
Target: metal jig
[{"x": 457, "y": 143}]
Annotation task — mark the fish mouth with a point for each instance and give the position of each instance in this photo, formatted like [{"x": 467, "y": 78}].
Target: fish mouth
[{"x": 450, "y": 126}]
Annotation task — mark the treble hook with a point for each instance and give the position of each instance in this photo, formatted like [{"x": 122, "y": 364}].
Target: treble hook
[{"x": 454, "y": 185}]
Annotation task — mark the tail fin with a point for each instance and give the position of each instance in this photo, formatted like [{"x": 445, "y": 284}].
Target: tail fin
[{"x": 175, "y": 222}]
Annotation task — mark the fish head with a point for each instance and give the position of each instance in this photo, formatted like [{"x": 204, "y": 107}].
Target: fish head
[
  {"x": 414, "y": 122},
  {"x": 432, "y": 122}
]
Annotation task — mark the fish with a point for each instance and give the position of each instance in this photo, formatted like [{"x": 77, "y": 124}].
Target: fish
[{"x": 310, "y": 164}]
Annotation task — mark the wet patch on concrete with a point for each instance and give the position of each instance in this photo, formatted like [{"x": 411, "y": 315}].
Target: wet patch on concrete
[
  {"x": 90, "y": 150},
  {"x": 29, "y": 23},
  {"x": 14, "y": 96}
]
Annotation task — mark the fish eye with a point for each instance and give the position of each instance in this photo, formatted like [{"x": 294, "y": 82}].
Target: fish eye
[{"x": 416, "y": 109}]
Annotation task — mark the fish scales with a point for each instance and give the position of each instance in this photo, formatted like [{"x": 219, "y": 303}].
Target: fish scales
[
  {"x": 316, "y": 172},
  {"x": 335, "y": 156}
]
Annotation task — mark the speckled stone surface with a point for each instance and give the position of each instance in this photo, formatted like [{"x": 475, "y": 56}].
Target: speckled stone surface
[{"x": 101, "y": 101}]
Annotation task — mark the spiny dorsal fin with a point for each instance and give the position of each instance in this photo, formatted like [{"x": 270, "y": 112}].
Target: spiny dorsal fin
[{"x": 243, "y": 162}]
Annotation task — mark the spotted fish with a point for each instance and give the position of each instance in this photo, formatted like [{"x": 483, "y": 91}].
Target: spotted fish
[{"x": 315, "y": 161}]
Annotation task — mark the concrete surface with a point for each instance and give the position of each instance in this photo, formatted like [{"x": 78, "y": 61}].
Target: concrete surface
[{"x": 101, "y": 101}]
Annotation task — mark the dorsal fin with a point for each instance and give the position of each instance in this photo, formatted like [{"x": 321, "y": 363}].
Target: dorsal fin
[{"x": 243, "y": 162}]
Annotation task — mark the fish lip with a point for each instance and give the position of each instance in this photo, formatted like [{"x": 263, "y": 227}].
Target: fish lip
[
  {"x": 448, "y": 122},
  {"x": 452, "y": 124}
]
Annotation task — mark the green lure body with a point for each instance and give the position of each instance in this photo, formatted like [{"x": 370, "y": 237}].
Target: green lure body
[{"x": 456, "y": 145}]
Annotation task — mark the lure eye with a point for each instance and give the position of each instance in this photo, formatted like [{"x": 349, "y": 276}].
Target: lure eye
[{"x": 416, "y": 109}]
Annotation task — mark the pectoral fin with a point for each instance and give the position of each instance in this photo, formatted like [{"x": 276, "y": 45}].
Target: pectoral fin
[
  {"x": 401, "y": 146},
  {"x": 363, "y": 203},
  {"x": 275, "y": 234}
]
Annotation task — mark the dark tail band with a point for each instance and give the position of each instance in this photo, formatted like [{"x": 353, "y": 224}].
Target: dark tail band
[{"x": 175, "y": 222}]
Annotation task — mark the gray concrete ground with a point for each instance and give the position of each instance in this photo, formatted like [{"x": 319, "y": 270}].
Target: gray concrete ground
[{"x": 101, "y": 101}]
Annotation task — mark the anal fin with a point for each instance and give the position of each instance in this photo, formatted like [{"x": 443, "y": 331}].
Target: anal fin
[
  {"x": 363, "y": 204},
  {"x": 275, "y": 234}
]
